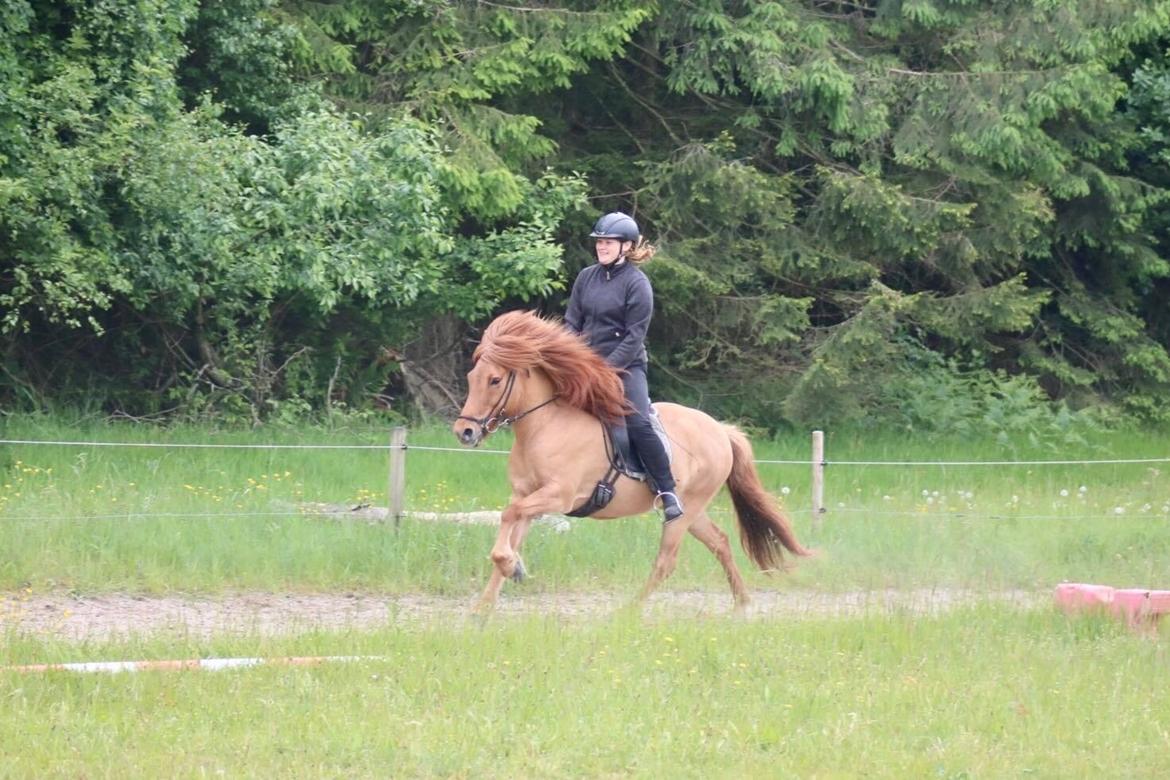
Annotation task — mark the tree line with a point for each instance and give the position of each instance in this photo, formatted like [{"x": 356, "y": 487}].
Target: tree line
[{"x": 936, "y": 214}]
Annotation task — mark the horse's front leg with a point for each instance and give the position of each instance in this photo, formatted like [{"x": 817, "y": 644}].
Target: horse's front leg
[{"x": 515, "y": 521}]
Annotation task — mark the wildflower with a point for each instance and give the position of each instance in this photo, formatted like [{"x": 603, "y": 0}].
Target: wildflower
[
  {"x": 1064, "y": 493},
  {"x": 785, "y": 490}
]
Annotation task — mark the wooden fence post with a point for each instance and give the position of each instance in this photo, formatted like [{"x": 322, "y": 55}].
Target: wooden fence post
[
  {"x": 818, "y": 477},
  {"x": 396, "y": 487}
]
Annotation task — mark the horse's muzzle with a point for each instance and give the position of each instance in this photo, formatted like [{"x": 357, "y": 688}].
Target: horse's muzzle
[{"x": 469, "y": 435}]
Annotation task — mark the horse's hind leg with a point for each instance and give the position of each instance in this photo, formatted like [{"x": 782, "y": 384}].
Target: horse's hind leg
[{"x": 717, "y": 542}]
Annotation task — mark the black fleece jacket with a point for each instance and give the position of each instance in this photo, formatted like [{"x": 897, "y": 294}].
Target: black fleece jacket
[{"x": 611, "y": 307}]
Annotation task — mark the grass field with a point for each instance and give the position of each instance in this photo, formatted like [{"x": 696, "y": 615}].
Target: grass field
[
  {"x": 985, "y": 691},
  {"x": 93, "y": 519},
  {"x": 975, "y": 693}
]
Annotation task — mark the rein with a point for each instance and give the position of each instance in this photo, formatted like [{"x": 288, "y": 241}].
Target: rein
[{"x": 493, "y": 422}]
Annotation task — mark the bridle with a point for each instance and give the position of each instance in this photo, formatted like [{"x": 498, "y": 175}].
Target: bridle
[{"x": 493, "y": 421}]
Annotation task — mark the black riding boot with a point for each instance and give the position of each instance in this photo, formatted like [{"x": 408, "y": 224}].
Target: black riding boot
[{"x": 657, "y": 463}]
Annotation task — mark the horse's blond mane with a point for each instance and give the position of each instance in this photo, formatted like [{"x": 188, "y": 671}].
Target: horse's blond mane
[{"x": 521, "y": 339}]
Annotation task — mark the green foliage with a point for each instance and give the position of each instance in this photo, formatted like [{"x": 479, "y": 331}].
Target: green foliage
[
  {"x": 241, "y": 205},
  {"x": 455, "y": 65},
  {"x": 151, "y": 245},
  {"x": 942, "y": 173},
  {"x": 933, "y": 397}
]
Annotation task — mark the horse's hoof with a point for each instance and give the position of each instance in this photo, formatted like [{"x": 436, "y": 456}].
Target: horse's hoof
[{"x": 519, "y": 574}]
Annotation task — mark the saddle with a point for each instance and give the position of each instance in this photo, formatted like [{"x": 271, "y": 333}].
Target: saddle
[{"x": 623, "y": 460}]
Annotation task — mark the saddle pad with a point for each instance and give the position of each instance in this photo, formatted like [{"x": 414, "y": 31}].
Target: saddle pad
[{"x": 626, "y": 459}]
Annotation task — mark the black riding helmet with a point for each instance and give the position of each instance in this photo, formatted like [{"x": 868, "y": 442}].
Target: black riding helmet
[{"x": 616, "y": 225}]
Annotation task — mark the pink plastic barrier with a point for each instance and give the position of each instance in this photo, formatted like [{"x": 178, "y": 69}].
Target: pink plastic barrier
[
  {"x": 1077, "y": 597},
  {"x": 1135, "y": 605}
]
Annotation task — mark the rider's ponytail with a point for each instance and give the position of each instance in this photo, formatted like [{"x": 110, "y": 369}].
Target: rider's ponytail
[{"x": 642, "y": 252}]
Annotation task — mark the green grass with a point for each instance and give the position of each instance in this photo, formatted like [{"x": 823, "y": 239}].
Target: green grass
[
  {"x": 988, "y": 691},
  {"x": 984, "y": 692},
  {"x": 93, "y": 519}
]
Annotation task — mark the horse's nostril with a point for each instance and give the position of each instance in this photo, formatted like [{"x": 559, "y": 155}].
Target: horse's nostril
[{"x": 467, "y": 434}]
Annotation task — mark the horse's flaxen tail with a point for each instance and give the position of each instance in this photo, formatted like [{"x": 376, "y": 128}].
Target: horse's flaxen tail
[{"x": 764, "y": 528}]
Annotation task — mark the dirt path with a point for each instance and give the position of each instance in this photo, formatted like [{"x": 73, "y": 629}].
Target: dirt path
[{"x": 109, "y": 616}]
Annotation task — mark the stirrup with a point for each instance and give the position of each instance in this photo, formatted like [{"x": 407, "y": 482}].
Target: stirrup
[{"x": 672, "y": 508}]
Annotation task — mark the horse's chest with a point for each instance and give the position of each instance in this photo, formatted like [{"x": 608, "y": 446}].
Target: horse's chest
[{"x": 575, "y": 459}]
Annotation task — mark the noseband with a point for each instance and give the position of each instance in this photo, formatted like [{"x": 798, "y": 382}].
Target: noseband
[{"x": 493, "y": 421}]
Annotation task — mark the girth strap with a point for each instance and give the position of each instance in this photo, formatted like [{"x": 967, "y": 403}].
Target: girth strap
[{"x": 603, "y": 491}]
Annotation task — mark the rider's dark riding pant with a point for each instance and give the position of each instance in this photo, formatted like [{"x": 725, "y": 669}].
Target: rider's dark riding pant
[{"x": 642, "y": 435}]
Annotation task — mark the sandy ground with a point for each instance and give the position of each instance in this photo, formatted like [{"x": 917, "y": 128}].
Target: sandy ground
[{"x": 110, "y": 616}]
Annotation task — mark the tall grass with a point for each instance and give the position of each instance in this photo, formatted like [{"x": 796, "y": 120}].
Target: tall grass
[
  {"x": 92, "y": 519},
  {"x": 984, "y": 692}
]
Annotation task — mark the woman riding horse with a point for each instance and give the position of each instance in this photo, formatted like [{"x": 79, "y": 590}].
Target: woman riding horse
[
  {"x": 611, "y": 306},
  {"x": 558, "y": 394}
]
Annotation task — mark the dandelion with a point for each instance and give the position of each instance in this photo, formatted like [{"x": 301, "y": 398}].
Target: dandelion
[
  {"x": 785, "y": 490},
  {"x": 1119, "y": 510},
  {"x": 1064, "y": 493},
  {"x": 1082, "y": 490}
]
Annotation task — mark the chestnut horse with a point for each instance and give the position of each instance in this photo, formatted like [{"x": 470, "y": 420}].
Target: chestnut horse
[{"x": 545, "y": 381}]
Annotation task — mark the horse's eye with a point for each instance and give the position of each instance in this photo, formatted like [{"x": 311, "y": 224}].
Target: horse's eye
[{"x": 495, "y": 380}]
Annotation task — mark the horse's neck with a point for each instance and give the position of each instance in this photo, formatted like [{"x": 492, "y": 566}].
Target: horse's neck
[{"x": 554, "y": 420}]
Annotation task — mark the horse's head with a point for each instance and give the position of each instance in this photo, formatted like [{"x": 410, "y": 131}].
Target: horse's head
[
  {"x": 523, "y": 364},
  {"x": 490, "y": 391}
]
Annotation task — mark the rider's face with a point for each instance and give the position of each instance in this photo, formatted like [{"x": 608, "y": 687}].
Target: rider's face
[{"x": 608, "y": 250}]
